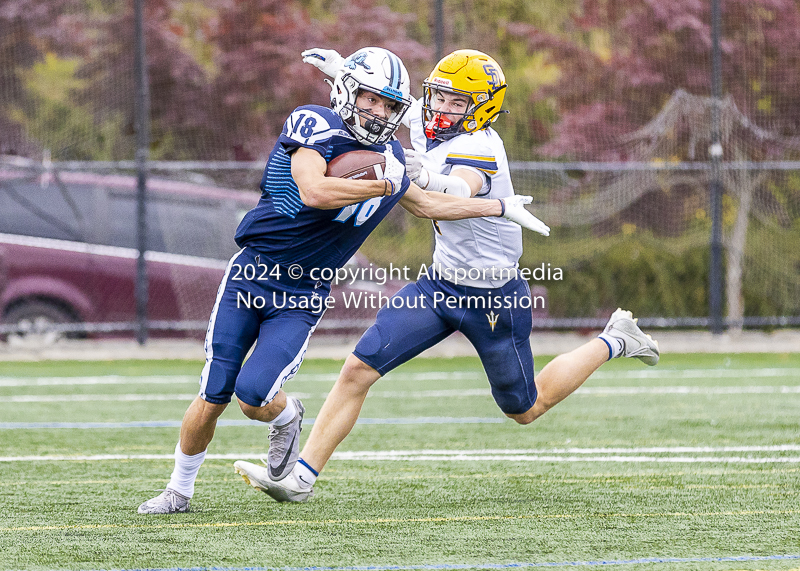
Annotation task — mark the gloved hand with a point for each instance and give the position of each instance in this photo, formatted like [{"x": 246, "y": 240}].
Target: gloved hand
[
  {"x": 516, "y": 212},
  {"x": 393, "y": 171},
  {"x": 413, "y": 164},
  {"x": 328, "y": 62}
]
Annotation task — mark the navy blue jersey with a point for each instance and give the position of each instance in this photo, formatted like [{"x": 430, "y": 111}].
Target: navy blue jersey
[{"x": 285, "y": 230}]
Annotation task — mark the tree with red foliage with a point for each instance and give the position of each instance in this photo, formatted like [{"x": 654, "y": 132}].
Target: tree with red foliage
[
  {"x": 652, "y": 49},
  {"x": 224, "y": 74},
  {"x": 262, "y": 76}
]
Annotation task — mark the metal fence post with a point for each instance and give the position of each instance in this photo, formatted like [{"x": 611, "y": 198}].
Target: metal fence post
[
  {"x": 142, "y": 113},
  {"x": 439, "y": 27},
  {"x": 715, "y": 286}
]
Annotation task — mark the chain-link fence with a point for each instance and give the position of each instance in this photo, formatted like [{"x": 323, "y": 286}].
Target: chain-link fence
[{"x": 632, "y": 234}]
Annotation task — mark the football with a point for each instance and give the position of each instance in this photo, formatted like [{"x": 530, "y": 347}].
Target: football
[{"x": 361, "y": 165}]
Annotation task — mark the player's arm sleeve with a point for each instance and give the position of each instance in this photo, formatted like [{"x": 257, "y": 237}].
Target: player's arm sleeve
[{"x": 464, "y": 185}]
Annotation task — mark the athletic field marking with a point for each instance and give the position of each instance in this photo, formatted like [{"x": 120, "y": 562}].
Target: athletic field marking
[
  {"x": 433, "y": 376},
  {"x": 99, "y": 398},
  {"x": 460, "y": 566},
  {"x": 688, "y": 390},
  {"x": 602, "y": 450},
  {"x": 306, "y": 422},
  {"x": 195, "y": 379},
  {"x": 188, "y": 397},
  {"x": 617, "y": 455},
  {"x": 628, "y": 480},
  {"x": 396, "y": 520},
  {"x": 567, "y": 459},
  {"x": 104, "y": 380},
  {"x": 446, "y": 393},
  {"x": 623, "y": 482},
  {"x": 698, "y": 373}
]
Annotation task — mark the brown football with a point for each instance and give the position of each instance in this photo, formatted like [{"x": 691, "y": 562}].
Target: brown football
[{"x": 360, "y": 165}]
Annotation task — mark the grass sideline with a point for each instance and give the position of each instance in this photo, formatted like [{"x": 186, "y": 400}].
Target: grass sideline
[{"x": 692, "y": 501}]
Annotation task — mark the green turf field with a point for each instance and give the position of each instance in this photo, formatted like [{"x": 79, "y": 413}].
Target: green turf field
[{"x": 683, "y": 466}]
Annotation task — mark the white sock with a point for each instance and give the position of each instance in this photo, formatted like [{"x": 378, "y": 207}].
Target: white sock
[
  {"x": 304, "y": 473},
  {"x": 287, "y": 415},
  {"x": 615, "y": 346},
  {"x": 185, "y": 472}
]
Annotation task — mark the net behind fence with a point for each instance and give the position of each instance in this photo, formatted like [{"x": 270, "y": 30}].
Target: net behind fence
[{"x": 609, "y": 132}]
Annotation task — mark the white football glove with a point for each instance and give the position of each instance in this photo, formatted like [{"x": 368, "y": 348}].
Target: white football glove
[
  {"x": 394, "y": 170},
  {"x": 516, "y": 212},
  {"x": 413, "y": 164},
  {"x": 328, "y": 62}
]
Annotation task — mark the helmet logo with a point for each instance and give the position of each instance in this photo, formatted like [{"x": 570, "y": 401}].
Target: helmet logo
[
  {"x": 392, "y": 93},
  {"x": 494, "y": 77},
  {"x": 442, "y": 81},
  {"x": 357, "y": 59}
]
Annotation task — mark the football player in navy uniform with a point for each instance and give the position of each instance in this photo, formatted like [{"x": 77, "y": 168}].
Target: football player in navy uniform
[
  {"x": 274, "y": 290},
  {"x": 456, "y": 152}
]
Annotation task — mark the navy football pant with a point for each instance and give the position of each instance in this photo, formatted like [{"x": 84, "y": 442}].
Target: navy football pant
[
  {"x": 420, "y": 317},
  {"x": 281, "y": 335}
]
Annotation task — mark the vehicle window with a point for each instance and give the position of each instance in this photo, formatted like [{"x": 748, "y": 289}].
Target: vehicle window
[
  {"x": 122, "y": 224},
  {"x": 51, "y": 210},
  {"x": 193, "y": 228},
  {"x": 99, "y": 214},
  {"x": 176, "y": 225}
]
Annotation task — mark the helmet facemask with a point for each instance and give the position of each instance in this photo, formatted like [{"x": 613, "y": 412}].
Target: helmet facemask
[
  {"x": 375, "y": 130},
  {"x": 442, "y": 126},
  {"x": 472, "y": 75}
]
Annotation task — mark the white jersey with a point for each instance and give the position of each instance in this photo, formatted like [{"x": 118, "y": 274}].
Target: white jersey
[{"x": 492, "y": 245}]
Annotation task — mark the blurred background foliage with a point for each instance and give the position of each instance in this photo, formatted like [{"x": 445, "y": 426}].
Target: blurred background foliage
[
  {"x": 591, "y": 80},
  {"x": 225, "y": 73}
]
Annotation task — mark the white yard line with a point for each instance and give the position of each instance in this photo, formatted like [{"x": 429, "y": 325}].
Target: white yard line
[
  {"x": 98, "y": 398},
  {"x": 446, "y": 393},
  {"x": 242, "y": 422},
  {"x": 560, "y": 455},
  {"x": 104, "y": 380},
  {"x": 649, "y": 561},
  {"x": 688, "y": 390},
  {"x": 793, "y": 373},
  {"x": 698, "y": 373},
  {"x": 195, "y": 379}
]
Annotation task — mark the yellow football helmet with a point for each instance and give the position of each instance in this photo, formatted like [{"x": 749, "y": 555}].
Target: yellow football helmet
[{"x": 470, "y": 73}]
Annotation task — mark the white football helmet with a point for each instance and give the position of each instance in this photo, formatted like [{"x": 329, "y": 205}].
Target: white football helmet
[{"x": 381, "y": 72}]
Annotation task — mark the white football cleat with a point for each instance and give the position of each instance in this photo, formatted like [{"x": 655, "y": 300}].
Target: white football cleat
[
  {"x": 286, "y": 490},
  {"x": 167, "y": 502},
  {"x": 635, "y": 343}
]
